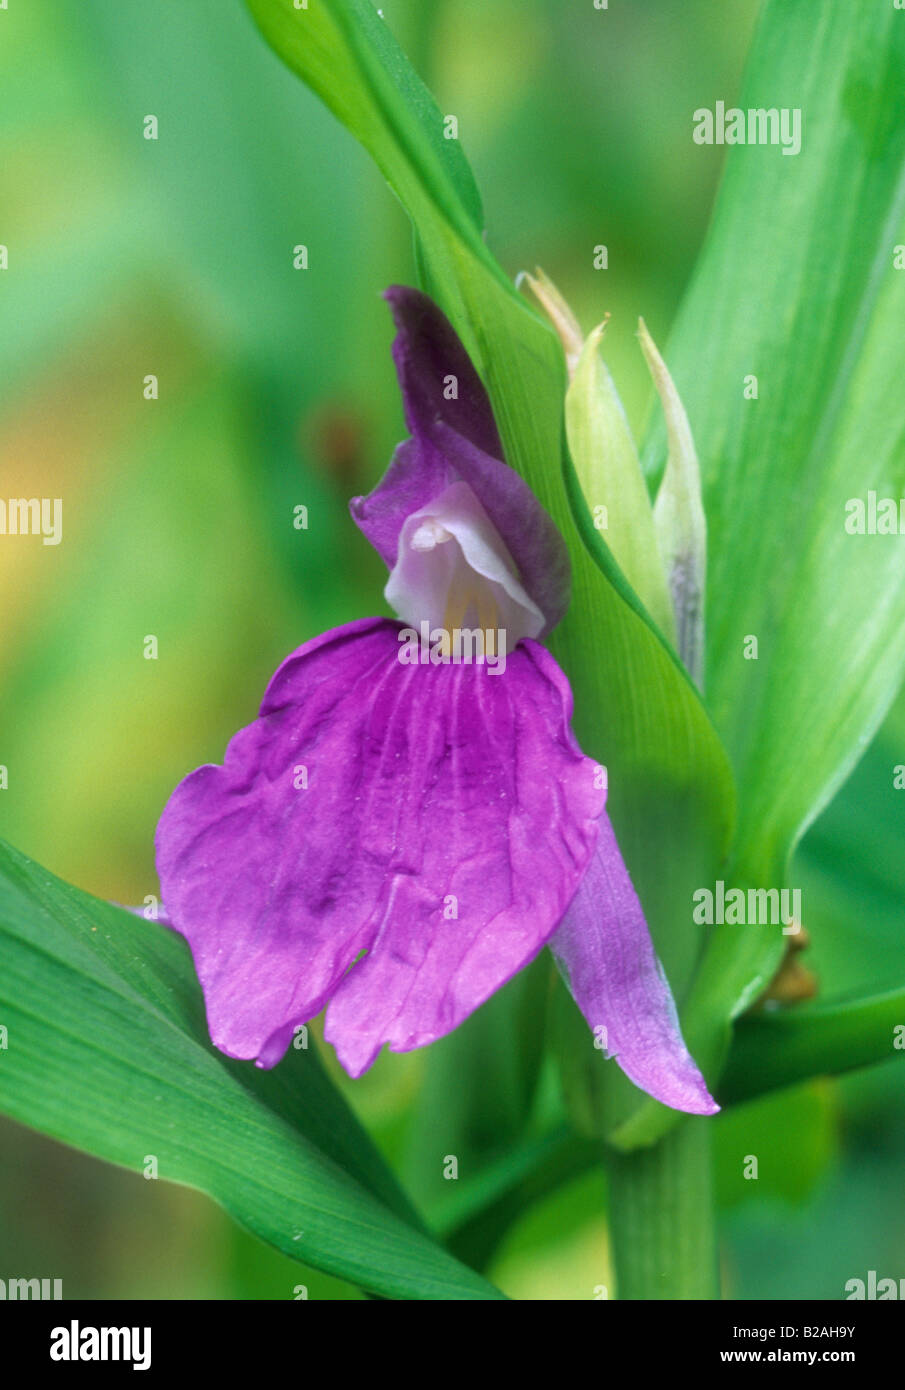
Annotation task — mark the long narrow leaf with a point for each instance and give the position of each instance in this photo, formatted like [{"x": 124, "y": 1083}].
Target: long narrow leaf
[{"x": 107, "y": 1050}]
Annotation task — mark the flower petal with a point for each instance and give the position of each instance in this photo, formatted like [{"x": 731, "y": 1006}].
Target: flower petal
[
  {"x": 456, "y": 440},
  {"x": 604, "y": 951},
  {"x": 450, "y": 555},
  {"x": 414, "y": 478},
  {"x": 447, "y": 821},
  {"x": 429, "y": 358},
  {"x": 503, "y": 833}
]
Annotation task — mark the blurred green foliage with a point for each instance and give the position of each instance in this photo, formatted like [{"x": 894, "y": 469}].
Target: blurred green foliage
[{"x": 174, "y": 257}]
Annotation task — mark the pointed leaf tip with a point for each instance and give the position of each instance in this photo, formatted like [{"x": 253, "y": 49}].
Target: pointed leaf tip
[
  {"x": 559, "y": 313},
  {"x": 679, "y": 520},
  {"x": 609, "y": 472}
]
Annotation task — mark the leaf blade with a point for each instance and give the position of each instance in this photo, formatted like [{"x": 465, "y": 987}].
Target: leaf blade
[
  {"x": 107, "y": 1051},
  {"x": 796, "y": 286}
]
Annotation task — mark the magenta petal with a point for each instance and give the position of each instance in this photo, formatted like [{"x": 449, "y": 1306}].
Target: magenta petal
[
  {"x": 255, "y": 870},
  {"x": 415, "y": 477},
  {"x": 447, "y": 821},
  {"x": 498, "y": 828},
  {"x": 427, "y": 353},
  {"x": 604, "y": 951},
  {"x": 456, "y": 440}
]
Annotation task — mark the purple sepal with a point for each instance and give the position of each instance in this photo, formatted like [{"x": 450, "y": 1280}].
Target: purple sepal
[
  {"x": 605, "y": 954},
  {"x": 456, "y": 440}
]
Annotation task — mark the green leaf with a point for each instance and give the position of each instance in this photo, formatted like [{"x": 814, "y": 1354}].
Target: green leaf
[
  {"x": 797, "y": 287},
  {"x": 107, "y": 1050},
  {"x": 771, "y": 1050},
  {"x": 849, "y": 868},
  {"x": 478, "y": 1088},
  {"x": 635, "y": 709},
  {"x": 679, "y": 519},
  {"x": 609, "y": 470},
  {"x": 793, "y": 1135},
  {"x": 477, "y": 1216},
  {"x": 348, "y": 56}
]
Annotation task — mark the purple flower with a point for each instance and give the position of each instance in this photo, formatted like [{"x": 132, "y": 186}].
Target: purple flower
[{"x": 410, "y": 819}]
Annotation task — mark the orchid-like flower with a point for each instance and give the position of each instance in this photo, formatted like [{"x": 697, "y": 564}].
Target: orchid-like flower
[{"x": 410, "y": 820}]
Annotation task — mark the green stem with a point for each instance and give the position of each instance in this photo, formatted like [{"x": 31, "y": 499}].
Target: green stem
[{"x": 662, "y": 1221}]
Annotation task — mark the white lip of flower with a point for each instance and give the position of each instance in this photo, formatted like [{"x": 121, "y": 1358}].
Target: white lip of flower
[
  {"x": 453, "y": 571},
  {"x": 429, "y": 534}
]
